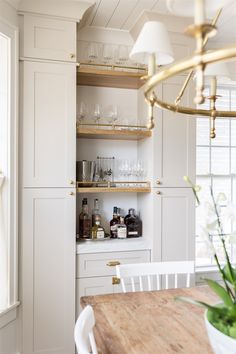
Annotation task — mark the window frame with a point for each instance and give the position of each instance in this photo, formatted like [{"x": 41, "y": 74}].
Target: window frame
[
  {"x": 9, "y": 312},
  {"x": 211, "y": 176}
]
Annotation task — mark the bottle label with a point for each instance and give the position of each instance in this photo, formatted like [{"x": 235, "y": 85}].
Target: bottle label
[
  {"x": 121, "y": 232},
  {"x": 132, "y": 232},
  {"x": 100, "y": 234}
]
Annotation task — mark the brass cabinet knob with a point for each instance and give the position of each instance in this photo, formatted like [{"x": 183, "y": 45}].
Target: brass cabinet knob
[
  {"x": 72, "y": 193},
  {"x": 113, "y": 263},
  {"x": 72, "y": 182},
  {"x": 115, "y": 281},
  {"x": 158, "y": 192},
  {"x": 72, "y": 55},
  {"x": 158, "y": 181}
]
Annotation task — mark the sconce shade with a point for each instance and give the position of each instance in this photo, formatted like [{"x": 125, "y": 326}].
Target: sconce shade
[{"x": 153, "y": 39}]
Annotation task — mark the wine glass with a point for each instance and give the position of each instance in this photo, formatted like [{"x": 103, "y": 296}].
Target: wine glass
[
  {"x": 97, "y": 113},
  {"x": 81, "y": 112},
  {"x": 112, "y": 114},
  {"x": 92, "y": 51},
  {"x": 107, "y": 53},
  {"x": 123, "y": 54}
]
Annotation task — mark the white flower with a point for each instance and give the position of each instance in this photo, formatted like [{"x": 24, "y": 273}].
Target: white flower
[
  {"x": 229, "y": 213},
  {"x": 204, "y": 236},
  {"x": 232, "y": 237},
  {"x": 207, "y": 215},
  {"x": 221, "y": 197}
]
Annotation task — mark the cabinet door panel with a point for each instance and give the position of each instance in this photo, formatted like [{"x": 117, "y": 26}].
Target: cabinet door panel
[
  {"x": 48, "y": 271},
  {"x": 46, "y": 38},
  {"x": 174, "y": 208},
  {"x": 174, "y": 140},
  {"x": 49, "y": 125}
]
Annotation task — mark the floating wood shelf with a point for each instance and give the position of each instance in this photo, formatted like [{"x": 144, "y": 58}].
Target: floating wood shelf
[
  {"x": 109, "y": 78},
  {"x": 115, "y": 187},
  {"x": 115, "y": 134}
]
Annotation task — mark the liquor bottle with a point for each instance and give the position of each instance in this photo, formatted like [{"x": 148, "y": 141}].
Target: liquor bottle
[
  {"x": 98, "y": 231},
  {"x": 84, "y": 221},
  {"x": 118, "y": 214},
  {"x": 121, "y": 228},
  {"x": 134, "y": 224},
  {"x": 113, "y": 224},
  {"x": 96, "y": 213}
]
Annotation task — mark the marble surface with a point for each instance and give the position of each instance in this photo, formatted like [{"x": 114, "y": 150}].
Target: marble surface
[{"x": 134, "y": 244}]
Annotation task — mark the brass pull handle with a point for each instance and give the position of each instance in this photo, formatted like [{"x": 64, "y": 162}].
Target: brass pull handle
[
  {"x": 115, "y": 281},
  {"x": 72, "y": 55},
  {"x": 72, "y": 182},
  {"x": 113, "y": 263},
  {"x": 72, "y": 193},
  {"x": 158, "y": 192},
  {"x": 158, "y": 181}
]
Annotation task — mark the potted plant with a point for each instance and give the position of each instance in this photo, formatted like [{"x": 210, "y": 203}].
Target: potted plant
[{"x": 220, "y": 319}]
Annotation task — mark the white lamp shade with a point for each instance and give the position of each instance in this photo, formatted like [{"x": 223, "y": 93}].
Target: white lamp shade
[
  {"x": 153, "y": 39},
  {"x": 186, "y": 7},
  {"x": 219, "y": 70}
]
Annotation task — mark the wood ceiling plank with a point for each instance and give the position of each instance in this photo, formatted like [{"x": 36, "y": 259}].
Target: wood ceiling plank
[
  {"x": 141, "y": 6},
  {"x": 121, "y": 13},
  {"x": 104, "y": 12}
]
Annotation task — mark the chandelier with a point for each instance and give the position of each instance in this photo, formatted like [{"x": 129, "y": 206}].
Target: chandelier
[{"x": 153, "y": 48}]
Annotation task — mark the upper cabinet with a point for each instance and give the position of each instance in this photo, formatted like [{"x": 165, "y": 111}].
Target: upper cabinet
[
  {"x": 51, "y": 39},
  {"x": 49, "y": 124},
  {"x": 174, "y": 139}
]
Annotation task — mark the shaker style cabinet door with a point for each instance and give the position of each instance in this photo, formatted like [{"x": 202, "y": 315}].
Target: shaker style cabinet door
[
  {"x": 174, "y": 238},
  {"x": 174, "y": 139},
  {"x": 48, "y": 271},
  {"x": 49, "y": 124},
  {"x": 51, "y": 39}
]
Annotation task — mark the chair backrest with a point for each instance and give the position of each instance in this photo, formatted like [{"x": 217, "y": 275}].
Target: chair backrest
[
  {"x": 83, "y": 333},
  {"x": 151, "y": 273}
]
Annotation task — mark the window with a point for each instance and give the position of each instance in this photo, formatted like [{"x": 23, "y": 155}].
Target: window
[
  {"x": 8, "y": 168},
  {"x": 216, "y": 165}
]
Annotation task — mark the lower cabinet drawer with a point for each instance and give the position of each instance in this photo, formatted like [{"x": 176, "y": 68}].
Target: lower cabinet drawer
[
  {"x": 92, "y": 286},
  {"x": 103, "y": 264}
]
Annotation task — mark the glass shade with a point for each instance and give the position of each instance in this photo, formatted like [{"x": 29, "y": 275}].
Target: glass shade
[
  {"x": 219, "y": 70},
  {"x": 153, "y": 39}
]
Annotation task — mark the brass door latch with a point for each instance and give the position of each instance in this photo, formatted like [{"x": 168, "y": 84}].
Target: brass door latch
[
  {"x": 115, "y": 281},
  {"x": 113, "y": 263}
]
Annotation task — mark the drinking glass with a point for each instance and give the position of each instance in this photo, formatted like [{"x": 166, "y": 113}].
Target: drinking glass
[
  {"x": 107, "y": 53},
  {"x": 92, "y": 51},
  {"x": 112, "y": 115},
  {"x": 123, "y": 54},
  {"x": 97, "y": 113},
  {"x": 81, "y": 112}
]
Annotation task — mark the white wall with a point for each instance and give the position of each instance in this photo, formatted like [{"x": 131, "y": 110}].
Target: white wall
[{"x": 8, "y": 13}]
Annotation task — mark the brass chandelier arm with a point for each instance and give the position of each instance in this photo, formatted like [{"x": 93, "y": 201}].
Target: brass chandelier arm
[
  {"x": 188, "y": 64},
  {"x": 180, "y": 95},
  {"x": 192, "y": 111}
]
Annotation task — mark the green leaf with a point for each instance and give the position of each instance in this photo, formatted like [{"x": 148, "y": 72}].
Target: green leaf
[
  {"x": 221, "y": 292},
  {"x": 198, "y": 303},
  {"x": 232, "y": 332},
  {"x": 227, "y": 273}
]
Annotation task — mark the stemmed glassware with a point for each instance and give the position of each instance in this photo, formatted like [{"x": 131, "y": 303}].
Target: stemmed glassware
[
  {"x": 92, "y": 51},
  {"x": 112, "y": 114},
  {"x": 107, "y": 53},
  {"x": 81, "y": 112},
  {"x": 97, "y": 113}
]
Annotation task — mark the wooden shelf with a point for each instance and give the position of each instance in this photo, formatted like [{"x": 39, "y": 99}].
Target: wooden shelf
[
  {"x": 109, "y": 78},
  {"x": 113, "y": 190},
  {"x": 117, "y": 187},
  {"x": 115, "y": 134}
]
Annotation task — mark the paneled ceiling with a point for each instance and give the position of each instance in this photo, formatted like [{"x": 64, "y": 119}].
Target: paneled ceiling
[{"x": 123, "y": 14}]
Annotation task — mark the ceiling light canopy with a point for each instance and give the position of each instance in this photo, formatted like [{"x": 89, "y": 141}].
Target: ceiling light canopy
[{"x": 186, "y": 7}]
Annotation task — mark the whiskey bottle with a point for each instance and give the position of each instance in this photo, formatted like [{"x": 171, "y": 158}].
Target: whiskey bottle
[
  {"x": 121, "y": 229},
  {"x": 98, "y": 231},
  {"x": 96, "y": 213},
  {"x": 134, "y": 224},
  {"x": 84, "y": 221},
  {"x": 113, "y": 224}
]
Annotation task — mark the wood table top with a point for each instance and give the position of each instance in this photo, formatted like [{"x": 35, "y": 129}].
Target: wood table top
[{"x": 151, "y": 322}]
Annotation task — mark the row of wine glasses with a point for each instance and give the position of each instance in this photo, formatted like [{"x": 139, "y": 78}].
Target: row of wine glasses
[
  {"x": 96, "y": 112},
  {"x": 130, "y": 170},
  {"x": 110, "y": 54}
]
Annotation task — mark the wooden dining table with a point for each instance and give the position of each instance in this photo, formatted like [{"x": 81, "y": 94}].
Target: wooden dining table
[{"x": 152, "y": 322}]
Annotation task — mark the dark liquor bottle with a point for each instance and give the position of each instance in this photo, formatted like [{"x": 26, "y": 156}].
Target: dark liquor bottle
[
  {"x": 84, "y": 221},
  {"x": 96, "y": 216},
  {"x": 134, "y": 224},
  {"x": 113, "y": 224}
]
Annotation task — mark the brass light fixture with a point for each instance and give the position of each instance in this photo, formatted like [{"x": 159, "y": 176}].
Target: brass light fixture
[{"x": 196, "y": 64}]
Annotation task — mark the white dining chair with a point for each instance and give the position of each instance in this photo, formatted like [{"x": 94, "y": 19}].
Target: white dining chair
[
  {"x": 83, "y": 333},
  {"x": 147, "y": 276}
]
